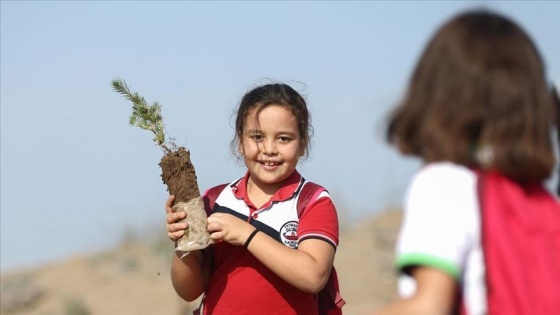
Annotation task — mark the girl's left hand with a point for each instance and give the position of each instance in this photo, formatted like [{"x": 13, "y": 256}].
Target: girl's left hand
[{"x": 226, "y": 227}]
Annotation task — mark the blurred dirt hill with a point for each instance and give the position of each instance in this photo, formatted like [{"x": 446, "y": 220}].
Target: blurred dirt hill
[{"x": 134, "y": 277}]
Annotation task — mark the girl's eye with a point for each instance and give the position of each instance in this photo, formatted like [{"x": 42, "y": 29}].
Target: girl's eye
[
  {"x": 257, "y": 138},
  {"x": 284, "y": 139}
]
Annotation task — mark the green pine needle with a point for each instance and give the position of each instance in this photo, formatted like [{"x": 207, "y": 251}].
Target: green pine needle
[{"x": 145, "y": 116}]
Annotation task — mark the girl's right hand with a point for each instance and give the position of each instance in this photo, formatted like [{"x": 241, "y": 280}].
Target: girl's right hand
[{"x": 175, "y": 228}]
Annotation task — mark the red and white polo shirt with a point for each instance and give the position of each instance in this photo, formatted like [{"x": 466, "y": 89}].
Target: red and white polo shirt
[{"x": 239, "y": 283}]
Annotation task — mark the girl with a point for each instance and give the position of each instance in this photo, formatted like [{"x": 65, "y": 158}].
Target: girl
[
  {"x": 479, "y": 113},
  {"x": 267, "y": 259}
]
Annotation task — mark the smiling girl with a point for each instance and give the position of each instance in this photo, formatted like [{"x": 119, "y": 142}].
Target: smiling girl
[{"x": 268, "y": 257}]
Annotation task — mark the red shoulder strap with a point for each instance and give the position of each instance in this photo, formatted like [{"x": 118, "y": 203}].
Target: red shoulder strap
[
  {"x": 330, "y": 300},
  {"x": 307, "y": 194},
  {"x": 210, "y": 197}
]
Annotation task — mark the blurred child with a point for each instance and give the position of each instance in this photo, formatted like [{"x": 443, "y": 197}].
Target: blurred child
[
  {"x": 481, "y": 234},
  {"x": 270, "y": 256}
]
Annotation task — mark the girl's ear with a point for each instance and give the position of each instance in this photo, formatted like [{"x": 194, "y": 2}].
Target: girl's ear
[
  {"x": 302, "y": 145},
  {"x": 240, "y": 148}
]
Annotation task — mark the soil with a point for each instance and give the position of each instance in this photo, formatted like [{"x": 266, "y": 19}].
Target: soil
[{"x": 179, "y": 175}]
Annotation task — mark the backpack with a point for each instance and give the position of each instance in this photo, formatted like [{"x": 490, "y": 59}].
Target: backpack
[
  {"x": 329, "y": 299},
  {"x": 520, "y": 236}
]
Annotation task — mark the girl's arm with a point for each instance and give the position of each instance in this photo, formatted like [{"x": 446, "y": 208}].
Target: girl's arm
[
  {"x": 306, "y": 268},
  {"x": 187, "y": 274},
  {"x": 436, "y": 294}
]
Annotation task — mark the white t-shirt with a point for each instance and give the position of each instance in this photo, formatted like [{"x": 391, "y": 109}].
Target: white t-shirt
[{"x": 441, "y": 229}]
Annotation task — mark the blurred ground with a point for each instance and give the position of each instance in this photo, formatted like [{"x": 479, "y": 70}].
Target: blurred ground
[{"x": 134, "y": 277}]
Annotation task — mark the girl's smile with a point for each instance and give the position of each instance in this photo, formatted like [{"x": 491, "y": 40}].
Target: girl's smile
[{"x": 269, "y": 165}]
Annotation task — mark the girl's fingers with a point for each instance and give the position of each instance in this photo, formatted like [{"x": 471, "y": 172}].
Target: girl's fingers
[
  {"x": 169, "y": 204},
  {"x": 211, "y": 226},
  {"x": 216, "y": 218},
  {"x": 216, "y": 236},
  {"x": 175, "y": 236},
  {"x": 175, "y": 217},
  {"x": 176, "y": 227}
]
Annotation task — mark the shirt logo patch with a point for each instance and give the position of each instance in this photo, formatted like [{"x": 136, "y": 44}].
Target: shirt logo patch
[{"x": 288, "y": 234}]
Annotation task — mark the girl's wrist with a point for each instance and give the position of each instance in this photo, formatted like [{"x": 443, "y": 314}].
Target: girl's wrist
[{"x": 250, "y": 238}]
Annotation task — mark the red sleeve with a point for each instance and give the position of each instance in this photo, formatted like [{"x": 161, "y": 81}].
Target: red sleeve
[{"x": 319, "y": 221}]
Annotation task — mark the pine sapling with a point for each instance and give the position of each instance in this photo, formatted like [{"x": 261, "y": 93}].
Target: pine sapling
[{"x": 178, "y": 172}]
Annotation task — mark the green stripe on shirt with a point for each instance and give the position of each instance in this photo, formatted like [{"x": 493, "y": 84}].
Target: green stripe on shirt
[{"x": 418, "y": 259}]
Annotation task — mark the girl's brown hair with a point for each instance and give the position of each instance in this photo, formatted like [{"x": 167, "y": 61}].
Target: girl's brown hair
[
  {"x": 479, "y": 97},
  {"x": 274, "y": 94}
]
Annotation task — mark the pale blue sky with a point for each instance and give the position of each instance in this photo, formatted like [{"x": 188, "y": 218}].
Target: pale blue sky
[{"x": 74, "y": 174}]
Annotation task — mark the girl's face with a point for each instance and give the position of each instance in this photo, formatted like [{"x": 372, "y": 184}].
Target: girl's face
[{"x": 270, "y": 146}]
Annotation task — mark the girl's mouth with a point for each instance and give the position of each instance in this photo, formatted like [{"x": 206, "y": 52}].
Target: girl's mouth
[{"x": 269, "y": 165}]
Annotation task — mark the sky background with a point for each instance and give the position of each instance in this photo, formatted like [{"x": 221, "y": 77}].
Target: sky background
[{"x": 75, "y": 176}]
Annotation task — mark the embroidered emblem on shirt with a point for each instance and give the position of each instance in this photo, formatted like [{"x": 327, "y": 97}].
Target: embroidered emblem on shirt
[{"x": 288, "y": 234}]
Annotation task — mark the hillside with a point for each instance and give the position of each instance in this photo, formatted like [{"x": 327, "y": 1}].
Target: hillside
[{"x": 134, "y": 277}]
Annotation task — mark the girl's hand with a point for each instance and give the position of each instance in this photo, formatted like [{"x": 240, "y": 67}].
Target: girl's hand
[
  {"x": 226, "y": 227},
  {"x": 175, "y": 228}
]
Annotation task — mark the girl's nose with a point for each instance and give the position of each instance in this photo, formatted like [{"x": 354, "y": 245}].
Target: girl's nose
[{"x": 268, "y": 147}]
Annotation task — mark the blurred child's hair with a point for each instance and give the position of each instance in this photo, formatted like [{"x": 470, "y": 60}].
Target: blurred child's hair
[
  {"x": 479, "y": 97},
  {"x": 274, "y": 94},
  {"x": 556, "y": 98}
]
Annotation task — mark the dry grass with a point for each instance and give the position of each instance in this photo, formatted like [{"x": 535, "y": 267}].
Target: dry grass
[{"x": 134, "y": 278}]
